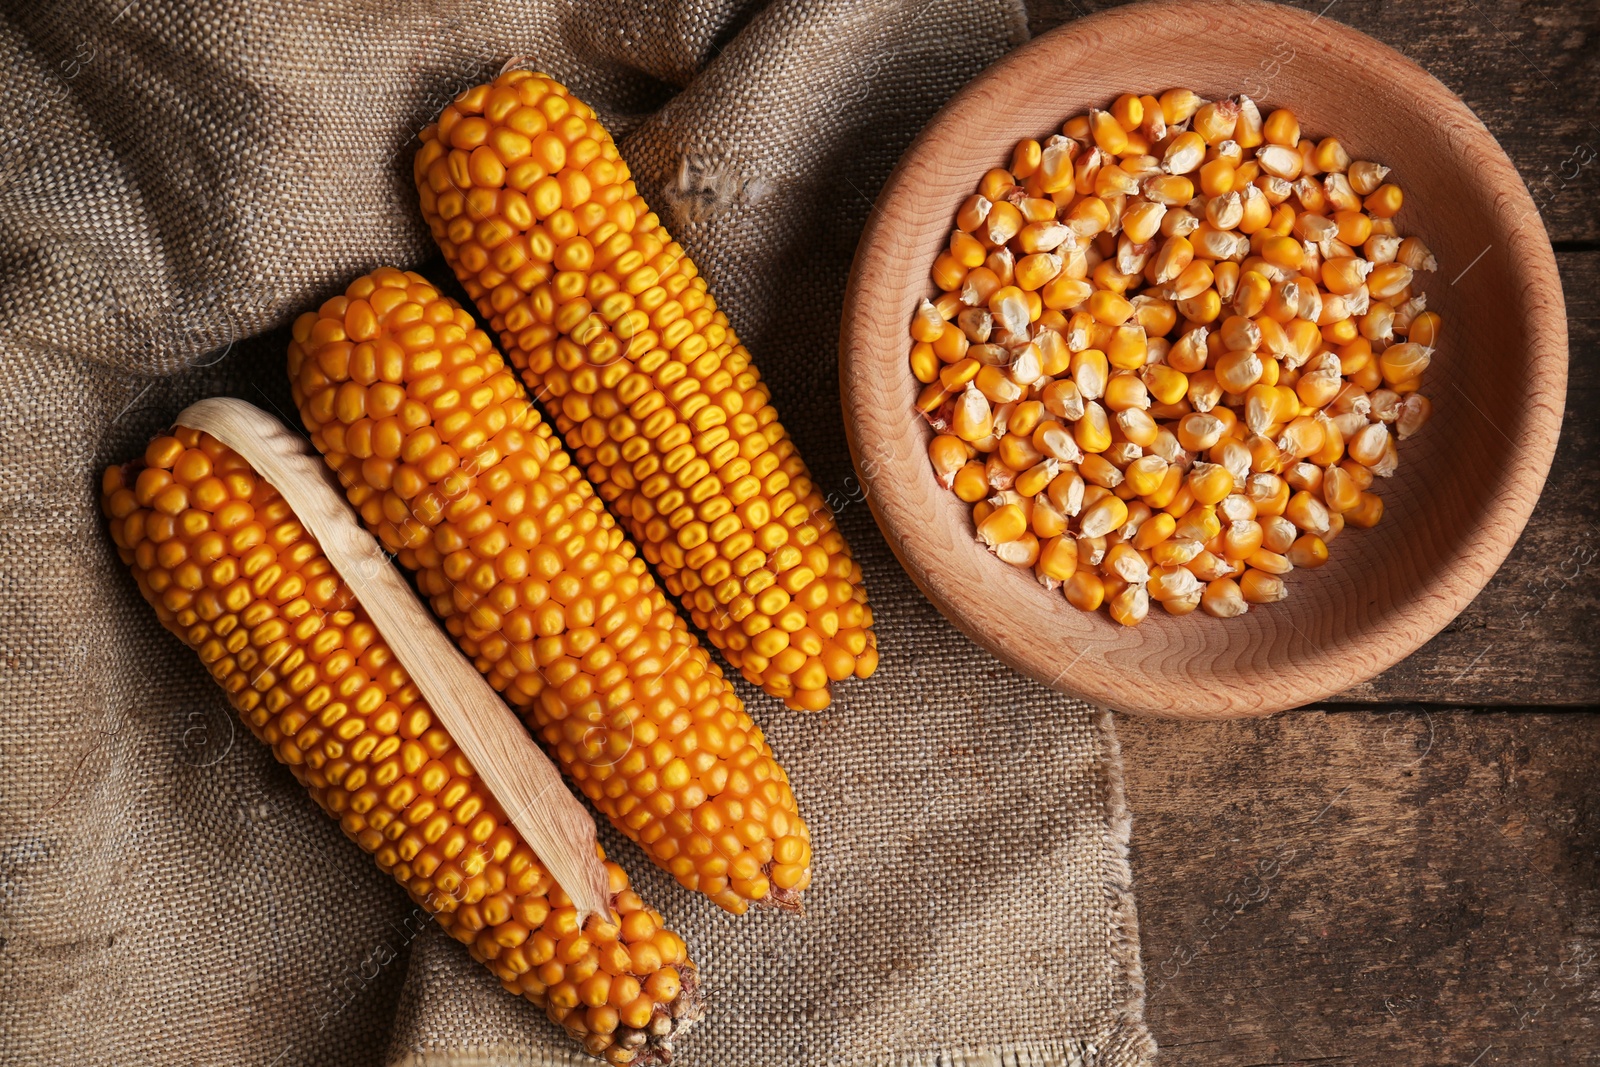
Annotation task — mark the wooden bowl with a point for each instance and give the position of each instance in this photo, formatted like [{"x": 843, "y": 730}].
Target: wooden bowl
[{"x": 1467, "y": 482}]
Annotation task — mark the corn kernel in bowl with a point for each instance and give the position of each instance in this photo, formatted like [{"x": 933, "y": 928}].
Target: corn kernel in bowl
[{"x": 1174, "y": 346}]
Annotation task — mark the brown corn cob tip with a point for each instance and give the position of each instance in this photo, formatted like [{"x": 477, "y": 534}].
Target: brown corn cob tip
[
  {"x": 611, "y": 326},
  {"x": 1166, "y": 361},
  {"x": 454, "y": 470},
  {"x": 231, "y": 571}
]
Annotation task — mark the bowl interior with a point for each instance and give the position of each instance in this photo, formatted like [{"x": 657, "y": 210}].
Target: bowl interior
[{"x": 1466, "y": 482}]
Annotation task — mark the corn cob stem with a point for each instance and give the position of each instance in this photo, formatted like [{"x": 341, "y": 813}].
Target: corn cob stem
[
  {"x": 611, "y": 326},
  {"x": 232, "y": 571},
  {"x": 455, "y": 471}
]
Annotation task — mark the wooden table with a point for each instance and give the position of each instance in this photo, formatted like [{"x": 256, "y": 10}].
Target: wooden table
[{"x": 1410, "y": 875}]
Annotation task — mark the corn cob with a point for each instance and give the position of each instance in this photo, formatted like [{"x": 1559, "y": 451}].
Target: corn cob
[
  {"x": 230, "y": 570},
  {"x": 613, "y": 329},
  {"x": 454, "y": 470}
]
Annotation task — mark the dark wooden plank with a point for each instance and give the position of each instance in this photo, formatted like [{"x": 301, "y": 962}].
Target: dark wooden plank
[
  {"x": 1417, "y": 887},
  {"x": 1529, "y": 637},
  {"x": 1529, "y": 68}
]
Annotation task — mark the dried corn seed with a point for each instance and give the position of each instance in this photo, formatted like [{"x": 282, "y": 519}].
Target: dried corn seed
[
  {"x": 1259, "y": 587},
  {"x": 1223, "y": 599}
]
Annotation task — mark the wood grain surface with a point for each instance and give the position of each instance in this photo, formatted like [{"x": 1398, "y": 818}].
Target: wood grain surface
[
  {"x": 1416, "y": 887},
  {"x": 1465, "y": 487},
  {"x": 1530, "y": 636}
]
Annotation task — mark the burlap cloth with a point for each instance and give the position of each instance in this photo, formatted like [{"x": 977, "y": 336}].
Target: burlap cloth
[{"x": 177, "y": 182}]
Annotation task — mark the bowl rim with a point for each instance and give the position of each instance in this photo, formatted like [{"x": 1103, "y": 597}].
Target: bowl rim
[{"x": 1481, "y": 550}]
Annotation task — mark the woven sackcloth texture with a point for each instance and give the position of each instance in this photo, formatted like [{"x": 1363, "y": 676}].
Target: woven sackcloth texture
[{"x": 178, "y": 180}]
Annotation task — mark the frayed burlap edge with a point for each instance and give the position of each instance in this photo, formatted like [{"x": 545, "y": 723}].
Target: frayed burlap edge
[
  {"x": 1115, "y": 1053},
  {"x": 1129, "y": 1041},
  {"x": 1045, "y": 1054}
]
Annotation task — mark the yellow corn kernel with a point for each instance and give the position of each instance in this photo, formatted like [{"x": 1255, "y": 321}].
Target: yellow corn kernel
[
  {"x": 1259, "y": 587},
  {"x": 1035, "y": 270},
  {"x": 1088, "y": 217},
  {"x": 931, "y": 399},
  {"x": 1025, "y": 158},
  {"x": 1170, "y": 191},
  {"x": 1093, "y": 430},
  {"x": 1108, "y": 132},
  {"x": 1146, "y": 474},
  {"x": 1047, "y": 520},
  {"x": 1085, "y": 590},
  {"x": 1242, "y": 538},
  {"x": 1097, "y": 470},
  {"x": 1252, "y": 295},
  {"x": 997, "y": 386},
  {"x": 948, "y": 273},
  {"x": 1172, "y": 551},
  {"x": 1238, "y": 370},
  {"x": 970, "y": 483},
  {"x": 1281, "y": 128},
  {"x": 1168, "y": 583},
  {"x": 1367, "y": 512},
  {"x": 1269, "y": 562},
  {"x": 1199, "y": 523},
  {"x": 1387, "y": 280},
  {"x": 924, "y": 364},
  {"x": 1109, "y": 308},
  {"x": 1142, "y": 221},
  {"x": 1005, "y": 523},
  {"x": 1033, "y": 481},
  {"x": 959, "y": 373},
  {"x": 995, "y": 183},
  {"x": 926, "y": 325},
  {"x": 1129, "y": 111},
  {"x": 974, "y": 210},
  {"x": 973, "y": 418},
  {"x": 1166, "y": 385},
  {"x": 1130, "y": 606},
  {"x": 1216, "y": 121},
  {"x": 1103, "y": 516},
  {"x": 1223, "y": 599},
  {"x": 1181, "y": 605},
  {"x": 948, "y": 454},
  {"x": 1209, "y": 482},
  {"x": 1179, "y": 105},
  {"x": 967, "y": 250},
  {"x": 1058, "y": 559},
  {"x": 1384, "y": 202},
  {"x": 1308, "y": 551},
  {"x": 951, "y": 345},
  {"x": 1247, "y": 130},
  {"x": 1256, "y": 206},
  {"x": 1330, "y": 155},
  {"x": 1022, "y": 551},
  {"x": 1307, "y": 512},
  {"x": 1124, "y": 391}
]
